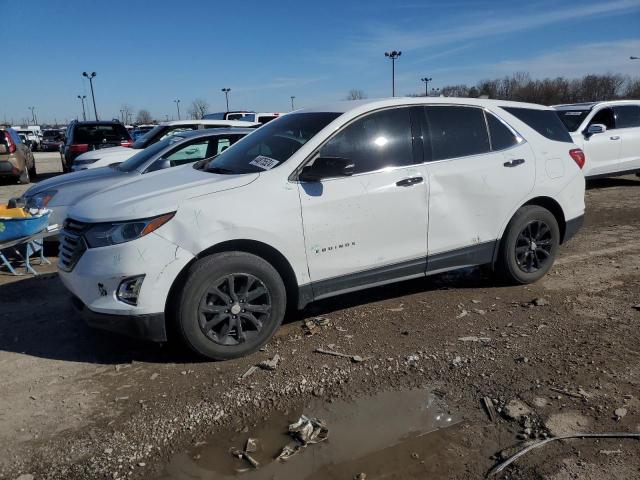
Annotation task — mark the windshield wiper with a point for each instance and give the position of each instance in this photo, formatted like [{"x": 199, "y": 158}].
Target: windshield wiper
[{"x": 221, "y": 170}]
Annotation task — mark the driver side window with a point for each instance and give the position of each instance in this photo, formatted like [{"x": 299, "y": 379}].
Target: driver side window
[
  {"x": 605, "y": 117},
  {"x": 382, "y": 139}
]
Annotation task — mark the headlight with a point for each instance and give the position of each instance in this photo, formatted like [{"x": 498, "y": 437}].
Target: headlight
[
  {"x": 40, "y": 200},
  {"x": 103, "y": 234}
]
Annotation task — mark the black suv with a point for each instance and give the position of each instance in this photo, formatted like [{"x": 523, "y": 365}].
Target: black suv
[{"x": 86, "y": 136}]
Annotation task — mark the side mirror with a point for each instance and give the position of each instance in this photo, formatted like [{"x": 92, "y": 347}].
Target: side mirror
[
  {"x": 3, "y": 148},
  {"x": 327, "y": 167},
  {"x": 595, "y": 128},
  {"x": 159, "y": 164}
]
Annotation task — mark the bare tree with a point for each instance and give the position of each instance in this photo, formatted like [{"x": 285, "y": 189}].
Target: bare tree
[
  {"x": 356, "y": 94},
  {"x": 198, "y": 108},
  {"x": 144, "y": 116},
  {"x": 551, "y": 91}
]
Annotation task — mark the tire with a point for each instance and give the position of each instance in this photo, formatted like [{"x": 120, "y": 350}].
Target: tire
[
  {"x": 32, "y": 170},
  {"x": 529, "y": 245},
  {"x": 207, "y": 317},
  {"x": 24, "y": 176}
]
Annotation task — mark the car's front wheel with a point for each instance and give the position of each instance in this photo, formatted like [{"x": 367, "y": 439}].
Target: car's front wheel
[
  {"x": 529, "y": 245},
  {"x": 231, "y": 305}
]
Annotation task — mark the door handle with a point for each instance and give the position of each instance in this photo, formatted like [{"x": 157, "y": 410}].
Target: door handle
[
  {"x": 615, "y": 138},
  {"x": 514, "y": 163},
  {"x": 407, "y": 182}
]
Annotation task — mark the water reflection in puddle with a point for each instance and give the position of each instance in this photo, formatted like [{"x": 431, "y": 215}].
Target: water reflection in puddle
[{"x": 379, "y": 432}]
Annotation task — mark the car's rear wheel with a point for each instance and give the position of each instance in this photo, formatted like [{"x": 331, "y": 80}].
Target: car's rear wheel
[
  {"x": 231, "y": 305},
  {"x": 24, "y": 176},
  {"x": 529, "y": 245}
]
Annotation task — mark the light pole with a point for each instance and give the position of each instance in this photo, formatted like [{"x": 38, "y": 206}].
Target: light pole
[
  {"x": 426, "y": 81},
  {"x": 177, "y": 102},
  {"x": 393, "y": 55},
  {"x": 292, "y": 97},
  {"x": 90, "y": 76},
  {"x": 84, "y": 115},
  {"x": 122, "y": 116},
  {"x": 226, "y": 96},
  {"x": 33, "y": 115}
]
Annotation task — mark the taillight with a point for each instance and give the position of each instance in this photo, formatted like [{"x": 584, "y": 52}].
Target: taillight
[
  {"x": 126, "y": 143},
  {"x": 10, "y": 144},
  {"x": 79, "y": 147},
  {"x": 578, "y": 156}
]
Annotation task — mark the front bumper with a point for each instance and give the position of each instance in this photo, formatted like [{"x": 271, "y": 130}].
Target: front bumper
[
  {"x": 93, "y": 275},
  {"x": 148, "y": 327}
]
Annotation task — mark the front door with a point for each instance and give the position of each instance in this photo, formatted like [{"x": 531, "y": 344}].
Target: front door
[
  {"x": 602, "y": 150},
  {"x": 370, "y": 227}
]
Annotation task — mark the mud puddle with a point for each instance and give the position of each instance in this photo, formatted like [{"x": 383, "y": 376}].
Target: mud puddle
[{"x": 391, "y": 435}]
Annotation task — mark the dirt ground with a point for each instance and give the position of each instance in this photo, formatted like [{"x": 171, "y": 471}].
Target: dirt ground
[{"x": 80, "y": 404}]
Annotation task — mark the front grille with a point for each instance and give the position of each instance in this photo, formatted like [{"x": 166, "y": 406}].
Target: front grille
[{"x": 72, "y": 244}]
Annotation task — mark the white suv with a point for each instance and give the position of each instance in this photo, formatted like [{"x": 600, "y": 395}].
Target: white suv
[
  {"x": 609, "y": 134},
  {"x": 321, "y": 202}
]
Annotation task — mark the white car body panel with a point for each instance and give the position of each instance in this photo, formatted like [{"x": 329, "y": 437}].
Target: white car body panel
[
  {"x": 107, "y": 157},
  {"x": 456, "y": 206}
]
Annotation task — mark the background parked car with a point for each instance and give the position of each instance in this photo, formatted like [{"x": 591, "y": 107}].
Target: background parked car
[
  {"x": 140, "y": 130},
  {"x": 258, "y": 117},
  {"x": 609, "y": 134},
  {"x": 104, "y": 157},
  {"x": 96, "y": 135},
  {"x": 52, "y": 140},
  {"x": 16, "y": 158},
  {"x": 59, "y": 193},
  {"x": 31, "y": 138}
]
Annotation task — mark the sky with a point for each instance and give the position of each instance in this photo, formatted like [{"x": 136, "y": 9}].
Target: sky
[{"x": 149, "y": 53}]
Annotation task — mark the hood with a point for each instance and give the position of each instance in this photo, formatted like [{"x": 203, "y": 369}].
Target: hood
[
  {"x": 154, "y": 194},
  {"x": 115, "y": 152},
  {"x": 73, "y": 186}
]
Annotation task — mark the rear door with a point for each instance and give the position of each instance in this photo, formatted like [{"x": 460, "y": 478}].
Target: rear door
[
  {"x": 628, "y": 129},
  {"x": 370, "y": 227},
  {"x": 479, "y": 169}
]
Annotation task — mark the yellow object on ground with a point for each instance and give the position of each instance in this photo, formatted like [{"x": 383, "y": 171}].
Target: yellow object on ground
[{"x": 6, "y": 212}]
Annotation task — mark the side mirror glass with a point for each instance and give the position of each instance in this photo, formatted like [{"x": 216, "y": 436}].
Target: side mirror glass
[
  {"x": 596, "y": 128},
  {"x": 327, "y": 167}
]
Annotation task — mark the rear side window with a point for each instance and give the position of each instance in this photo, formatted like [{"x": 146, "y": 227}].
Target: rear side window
[
  {"x": 114, "y": 132},
  {"x": 501, "y": 136},
  {"x": 457, "y": 132},
  {"x": 381, "y": 139},
  {"x": 627, "y": 116},
  {"x": 604, "y": 117},
  {"x": 545, "y": 122}
]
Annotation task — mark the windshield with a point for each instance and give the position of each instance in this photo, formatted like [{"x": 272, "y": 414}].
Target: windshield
[
  {"x": 572, "y": 119},
  {"x": 139, "y": 159},
  {"x": 271, "y": 145}
]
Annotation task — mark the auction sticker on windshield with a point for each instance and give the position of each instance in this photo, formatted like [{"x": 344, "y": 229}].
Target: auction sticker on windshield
[{"x": 263, "y": 162}]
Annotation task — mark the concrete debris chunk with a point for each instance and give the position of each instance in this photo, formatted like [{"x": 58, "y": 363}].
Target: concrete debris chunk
[
  {"x": 462, "y": 314},
  {"x": 516, "y": 410},
  {"x": 270, "y": 364},
  {"x": 539, "y": 302},
  {"x": 311, "y": 326},
  {"x": 251, "y": 446},
  {"x": 620, "y": 413}
]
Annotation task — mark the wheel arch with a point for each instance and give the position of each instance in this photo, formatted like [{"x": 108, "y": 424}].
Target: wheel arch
[
  {"x": 554, "y": 207},
  {"x": 254, "y": 247}
]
